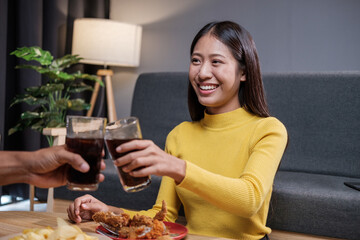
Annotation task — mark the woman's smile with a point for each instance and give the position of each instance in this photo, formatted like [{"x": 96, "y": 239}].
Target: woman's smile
[{"x": 207, "y": 88}]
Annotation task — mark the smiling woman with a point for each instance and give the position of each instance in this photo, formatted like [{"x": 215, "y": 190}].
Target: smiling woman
[
  {"x": 224, "y": 161},
  {"x": 219, "y": 54}
]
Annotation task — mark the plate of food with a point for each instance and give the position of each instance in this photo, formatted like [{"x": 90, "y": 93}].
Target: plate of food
[
  {"x": 122, "y": 226},
  {"x": 176, "y": 231}
]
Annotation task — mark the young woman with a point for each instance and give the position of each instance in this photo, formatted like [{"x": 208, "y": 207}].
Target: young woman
[{"x": 221, "y": 166}]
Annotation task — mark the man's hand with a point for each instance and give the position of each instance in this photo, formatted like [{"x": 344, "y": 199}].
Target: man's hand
[{"x": 47, "y": 167}]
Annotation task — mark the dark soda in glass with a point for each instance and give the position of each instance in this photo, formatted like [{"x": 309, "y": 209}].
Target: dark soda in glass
[
  {"x": 130, "y": 183},
  {"x": 90, "y": 150}
]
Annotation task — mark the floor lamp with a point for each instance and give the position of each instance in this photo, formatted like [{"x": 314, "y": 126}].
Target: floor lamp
[{"x": 108, "y": 43}]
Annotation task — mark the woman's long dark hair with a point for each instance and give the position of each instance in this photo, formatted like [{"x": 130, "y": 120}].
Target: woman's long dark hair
[{"x": 242, "y": 46}]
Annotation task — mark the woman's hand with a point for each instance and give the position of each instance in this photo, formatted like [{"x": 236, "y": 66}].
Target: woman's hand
[
  {"x": 83, "y": 208},
  {"x": 145, "y": 158}
]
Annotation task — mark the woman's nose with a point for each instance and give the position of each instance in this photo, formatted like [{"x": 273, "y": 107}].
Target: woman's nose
[{"x": 205, "y": 71}]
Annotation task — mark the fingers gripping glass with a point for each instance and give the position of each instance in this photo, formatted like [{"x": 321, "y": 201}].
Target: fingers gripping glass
[
  {"x": 85, "y": 136},
  {"x": 117, "y": 133}
]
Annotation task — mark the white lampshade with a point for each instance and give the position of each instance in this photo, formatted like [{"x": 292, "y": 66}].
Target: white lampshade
[{"x": 107, "y": 42}]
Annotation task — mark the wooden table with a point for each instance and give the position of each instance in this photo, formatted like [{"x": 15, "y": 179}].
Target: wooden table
[{"x": 15, "y": 221}]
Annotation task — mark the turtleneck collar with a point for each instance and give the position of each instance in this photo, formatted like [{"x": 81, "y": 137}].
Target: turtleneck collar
[{"x": 226, "y": 120}]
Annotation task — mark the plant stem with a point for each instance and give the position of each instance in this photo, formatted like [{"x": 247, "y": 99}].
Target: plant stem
[{"x": 50, "y": 140}]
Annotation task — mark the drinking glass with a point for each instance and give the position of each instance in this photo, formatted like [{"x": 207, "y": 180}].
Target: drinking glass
[
  {"x": 85, "y": 136},
  {"x": 117, "y": 133}
]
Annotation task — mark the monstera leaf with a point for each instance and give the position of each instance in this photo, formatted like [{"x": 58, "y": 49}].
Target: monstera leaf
[
  {"x": 34, "y": 54},
  {"x": 29, "y": 99},
  {"x": 44, "y": 90},
  {"x": 65, "y": 62},
  {"x": 74, "y": 104},
  {"x": 52, "y": 99}
]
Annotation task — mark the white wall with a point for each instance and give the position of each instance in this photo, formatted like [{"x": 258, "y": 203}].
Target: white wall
[{"x": 291, "y": 35}]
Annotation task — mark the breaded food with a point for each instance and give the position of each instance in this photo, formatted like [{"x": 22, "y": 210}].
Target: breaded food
[
  {"x": 141, "y": 220},
  {"x": 139, "y": 227},
  {"x": 162, "y": 213},
  {"x": 111, "y": 219},
  {"x": 153, "y": 230}
]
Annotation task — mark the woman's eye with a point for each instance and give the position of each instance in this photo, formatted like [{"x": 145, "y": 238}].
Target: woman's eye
[
  {"x": 195, "y": 60},
  {"x": 216, "y": 62}
]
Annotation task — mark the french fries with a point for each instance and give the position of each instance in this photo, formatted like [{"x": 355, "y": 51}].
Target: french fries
[{"x": 64, "y": 231}]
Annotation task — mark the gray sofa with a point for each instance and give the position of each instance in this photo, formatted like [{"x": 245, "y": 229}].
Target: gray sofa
[{"x": 321, "y": 112}]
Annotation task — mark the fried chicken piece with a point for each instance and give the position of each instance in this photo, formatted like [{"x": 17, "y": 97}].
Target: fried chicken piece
[
  {"x": 111, "y": 219},
  {"x": 139, "y": 227},
  {"x": 124, "y": 232},
  {"x": 162, "y": 213},
  {"x": 101, "y": 216},
  {"x": 157, "y": 229},
  {"x": 140, "y": 220},
  {"x": 119, "y": 220}
]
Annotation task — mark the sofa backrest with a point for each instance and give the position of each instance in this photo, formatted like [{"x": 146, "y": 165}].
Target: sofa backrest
[
  {"x": 160, "y": 103},
  {"x": 321, "y": 112}
]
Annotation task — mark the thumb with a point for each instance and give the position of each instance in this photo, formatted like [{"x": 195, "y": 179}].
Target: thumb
[{"x": 75, "y": 160}]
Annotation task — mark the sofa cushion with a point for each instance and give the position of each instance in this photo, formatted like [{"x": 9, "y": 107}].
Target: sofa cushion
[
  {"x": 316, "y": 204},
  {"x": 321, "y": 114}
]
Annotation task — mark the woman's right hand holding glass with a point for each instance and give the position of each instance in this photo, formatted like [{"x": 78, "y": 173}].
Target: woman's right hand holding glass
[{"x": 145, "y": 158}]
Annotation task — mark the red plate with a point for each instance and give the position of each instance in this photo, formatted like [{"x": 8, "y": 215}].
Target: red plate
[{"x": 177, "y": 231}]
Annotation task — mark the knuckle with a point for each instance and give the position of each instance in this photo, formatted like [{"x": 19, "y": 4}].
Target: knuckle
[
  {"x": 148, "y": 141},
  {"x": 135, "y": 162},
  {"x": 153, "y": 150},
  {"x": 132, "y": 155},
  {"x": 137, "y": 143}
]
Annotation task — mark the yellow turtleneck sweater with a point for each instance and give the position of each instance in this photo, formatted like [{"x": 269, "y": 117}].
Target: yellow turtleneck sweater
[{"x": 231, "y": 161}]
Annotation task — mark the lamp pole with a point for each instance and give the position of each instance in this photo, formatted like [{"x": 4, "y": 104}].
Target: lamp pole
[{"x": 107, "y": 74}]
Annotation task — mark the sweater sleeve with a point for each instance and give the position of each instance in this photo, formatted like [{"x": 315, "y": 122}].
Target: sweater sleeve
[{"x": 243, "y": 196}]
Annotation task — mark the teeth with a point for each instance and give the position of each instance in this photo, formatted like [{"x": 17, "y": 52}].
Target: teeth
[{"x": 208, "y": 87}]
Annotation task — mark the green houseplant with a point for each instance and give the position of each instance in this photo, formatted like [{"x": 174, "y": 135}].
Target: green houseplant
[{"x": 53, "y": 98}]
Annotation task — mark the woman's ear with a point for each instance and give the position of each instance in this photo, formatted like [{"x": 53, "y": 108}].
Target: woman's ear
[{"x": 243, "y": 77}]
